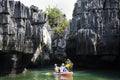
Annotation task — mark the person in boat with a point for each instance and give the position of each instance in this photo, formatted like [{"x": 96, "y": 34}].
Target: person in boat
[
  {"x": 63, "y": 68},
  {"x": 69, "y": 64},
  {"x": 56, "y": 68}
]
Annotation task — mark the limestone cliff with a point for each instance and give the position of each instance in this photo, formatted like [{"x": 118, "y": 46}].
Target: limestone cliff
[
  {"x": 24, "y": 32},
  {"x": 94, "y": 28}
]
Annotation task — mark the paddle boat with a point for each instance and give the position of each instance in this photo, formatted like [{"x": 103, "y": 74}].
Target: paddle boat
[{"x": 67, "y": 74}]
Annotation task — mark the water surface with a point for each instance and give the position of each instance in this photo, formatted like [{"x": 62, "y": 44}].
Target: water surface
[{"x": 46, "y": 74}]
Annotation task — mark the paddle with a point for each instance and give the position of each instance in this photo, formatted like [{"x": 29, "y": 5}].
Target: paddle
[{"x": 47, "y": 73}]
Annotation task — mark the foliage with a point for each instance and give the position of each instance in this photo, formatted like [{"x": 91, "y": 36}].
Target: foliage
[{"x": 57, "y": 19}]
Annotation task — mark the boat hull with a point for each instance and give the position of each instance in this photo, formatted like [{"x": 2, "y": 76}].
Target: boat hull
[{"x": 64, "y": 73}]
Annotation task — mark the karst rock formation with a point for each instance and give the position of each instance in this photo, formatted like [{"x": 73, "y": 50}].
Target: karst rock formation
[
  {"x": 24, "y": 35},
  {"x": 94, "y": 29}
]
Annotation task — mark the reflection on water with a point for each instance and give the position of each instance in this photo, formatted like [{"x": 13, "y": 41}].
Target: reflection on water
[
  {"x": 77, "y": 75},
  {"x": 36, "y": 76},
  {"x": 58, "y": 77}
]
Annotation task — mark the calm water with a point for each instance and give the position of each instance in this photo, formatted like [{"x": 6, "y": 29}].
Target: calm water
[{"x": 40, "y": 74}]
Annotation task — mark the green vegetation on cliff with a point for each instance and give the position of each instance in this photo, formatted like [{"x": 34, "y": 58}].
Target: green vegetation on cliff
[{"x": 57, "y": 19}]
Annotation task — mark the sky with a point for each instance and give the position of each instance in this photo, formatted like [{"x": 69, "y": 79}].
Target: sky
[{"x": 66, "y": 6}]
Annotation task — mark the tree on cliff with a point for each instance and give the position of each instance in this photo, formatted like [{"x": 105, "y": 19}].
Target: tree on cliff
[{"x": 57, "y": 19}]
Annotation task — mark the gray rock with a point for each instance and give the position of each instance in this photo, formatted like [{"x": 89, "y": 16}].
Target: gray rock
[
  {"x": 4, "y": 19},
  {"x": 40, "y": 18},
  {"x": 23, "y": 32},
  {"x": 95, "y": 26},
  {"x": 4, "y": 6}
]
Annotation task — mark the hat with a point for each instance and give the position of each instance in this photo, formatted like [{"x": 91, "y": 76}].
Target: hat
[
  {"x": 62, "y": 64},
  {"x": 55, "y": 64},
  {"x": 68, "y": 59}
]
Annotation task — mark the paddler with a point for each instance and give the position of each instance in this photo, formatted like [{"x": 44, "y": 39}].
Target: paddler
[
  {"x": 63, "y": 68},
  {"x": 68, "y": 64},
  {"x": 56, "y": 68}
]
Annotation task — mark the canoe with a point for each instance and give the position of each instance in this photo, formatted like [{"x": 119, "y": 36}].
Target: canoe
[{"x": 64, "y": 73}]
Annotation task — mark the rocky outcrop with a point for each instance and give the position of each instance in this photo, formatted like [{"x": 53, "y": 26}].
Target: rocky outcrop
[
  {"x": 95, "y": 28},
  {"x": 23, "y": 34}
]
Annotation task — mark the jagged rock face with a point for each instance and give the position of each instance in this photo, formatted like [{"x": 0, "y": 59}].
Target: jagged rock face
[
  {"x": 95, "y": 26},
  {"x": 23, "y": 30}
]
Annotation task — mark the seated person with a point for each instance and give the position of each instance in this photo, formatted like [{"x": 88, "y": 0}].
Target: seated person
[
  {"x": 63, "y": 68},
  {"x": 56, "y": 68},
  {"x": 68, "y": 64}
]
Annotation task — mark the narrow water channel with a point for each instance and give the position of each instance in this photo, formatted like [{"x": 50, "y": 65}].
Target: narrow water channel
[{"x": 42, "y": 74}]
